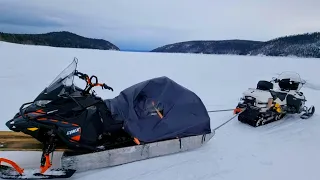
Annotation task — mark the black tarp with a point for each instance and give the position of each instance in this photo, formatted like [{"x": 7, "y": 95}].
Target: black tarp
[{"x": 183, "y": 113}]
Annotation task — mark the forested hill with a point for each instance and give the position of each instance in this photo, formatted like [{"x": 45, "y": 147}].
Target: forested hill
[
  {"x": 301, "y": 45},
  {"x": 58, "y": 39}
]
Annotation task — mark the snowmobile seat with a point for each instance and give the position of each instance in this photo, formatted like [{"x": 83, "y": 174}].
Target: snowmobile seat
[
  {"x": 286, "y": 84},
  {"x": 264, "y": 85}
]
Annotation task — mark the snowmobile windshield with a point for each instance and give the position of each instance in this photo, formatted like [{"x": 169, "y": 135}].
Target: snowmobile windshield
[
  {"x": 65, "y": 78},
  {"x": 293, "y": 77}
]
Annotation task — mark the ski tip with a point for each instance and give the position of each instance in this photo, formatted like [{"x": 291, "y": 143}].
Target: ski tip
[{"x": 7, "y": 172}]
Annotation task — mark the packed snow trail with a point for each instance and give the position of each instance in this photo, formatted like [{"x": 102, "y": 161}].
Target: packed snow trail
[{"x": 287, "y": 149}]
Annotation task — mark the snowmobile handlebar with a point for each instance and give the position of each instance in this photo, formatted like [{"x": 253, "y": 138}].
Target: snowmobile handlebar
[
  {"x": 89, "y": 86},
  {"x": 276, "y": 80},
  {"x": 89, "y": 81}
]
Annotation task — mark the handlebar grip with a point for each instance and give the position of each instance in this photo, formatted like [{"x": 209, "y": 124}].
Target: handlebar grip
[{"x": 107, "y": 87}]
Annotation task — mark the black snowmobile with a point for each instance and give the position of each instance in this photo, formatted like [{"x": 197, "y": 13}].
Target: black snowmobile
[
  {"x": 266, "y": 103},
  {"x": 66, "y": 115}
]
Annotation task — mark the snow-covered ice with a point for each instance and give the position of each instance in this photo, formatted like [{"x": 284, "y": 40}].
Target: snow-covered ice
[{"x": 287, "y": 149}]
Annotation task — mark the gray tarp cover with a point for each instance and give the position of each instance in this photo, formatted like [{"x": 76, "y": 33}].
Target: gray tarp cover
[{"x": 182, "y": 111}]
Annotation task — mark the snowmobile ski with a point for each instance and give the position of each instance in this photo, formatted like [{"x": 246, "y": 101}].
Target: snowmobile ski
[
  {"x": 16, "y": 172},
  {"x": 7, "y": 172},
  {"x": 309, "y": 113}
]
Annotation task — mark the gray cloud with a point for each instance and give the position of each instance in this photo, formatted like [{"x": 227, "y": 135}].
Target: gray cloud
[
  {"x": 13, "y": 15},
  {"x": 159, "y": 22}
]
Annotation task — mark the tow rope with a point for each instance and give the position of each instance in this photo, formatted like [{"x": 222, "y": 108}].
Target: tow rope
[
  {"x": 220, "y": 110},
  {"x": 224, "y": 123}
]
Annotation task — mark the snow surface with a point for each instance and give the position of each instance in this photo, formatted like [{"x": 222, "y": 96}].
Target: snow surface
[{"x": 287, "y": 149}]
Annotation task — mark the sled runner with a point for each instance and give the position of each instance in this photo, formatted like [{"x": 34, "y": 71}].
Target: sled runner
[
  {"x": 152, "y": 118},
  {"x": 266, "y": 103},
  {"x": 108, "y": 158}
]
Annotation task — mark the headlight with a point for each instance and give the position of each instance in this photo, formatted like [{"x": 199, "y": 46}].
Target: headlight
[{"x": 42, "y": 103}]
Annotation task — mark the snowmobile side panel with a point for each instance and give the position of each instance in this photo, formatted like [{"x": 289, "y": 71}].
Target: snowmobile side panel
[
  {"x": 125, "y": 155},
  {"x": 294, "y": 102}
]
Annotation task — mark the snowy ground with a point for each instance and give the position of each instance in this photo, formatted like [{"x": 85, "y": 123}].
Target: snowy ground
[{"x": 288, "y": 149}]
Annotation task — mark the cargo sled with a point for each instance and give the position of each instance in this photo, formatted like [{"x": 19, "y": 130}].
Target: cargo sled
[{"x": 153, "y": 118}]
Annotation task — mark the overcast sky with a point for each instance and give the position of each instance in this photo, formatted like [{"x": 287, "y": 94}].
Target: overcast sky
[{"x": 148, "y": 24}]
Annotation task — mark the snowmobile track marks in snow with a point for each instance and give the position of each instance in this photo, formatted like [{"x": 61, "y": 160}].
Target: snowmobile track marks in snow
[{"x": 17, "y": 141}]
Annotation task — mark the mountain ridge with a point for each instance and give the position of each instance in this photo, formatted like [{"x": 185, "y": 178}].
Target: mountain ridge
[
  {"x": 300, "y": 45},
  {"x": 62, "y": 39}
]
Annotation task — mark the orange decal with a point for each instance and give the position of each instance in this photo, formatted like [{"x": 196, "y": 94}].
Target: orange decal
[
  {"x": 40, "y": 111},
  {"x": 76, "y": 138},
  {"x": 35, "y": 113}
]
